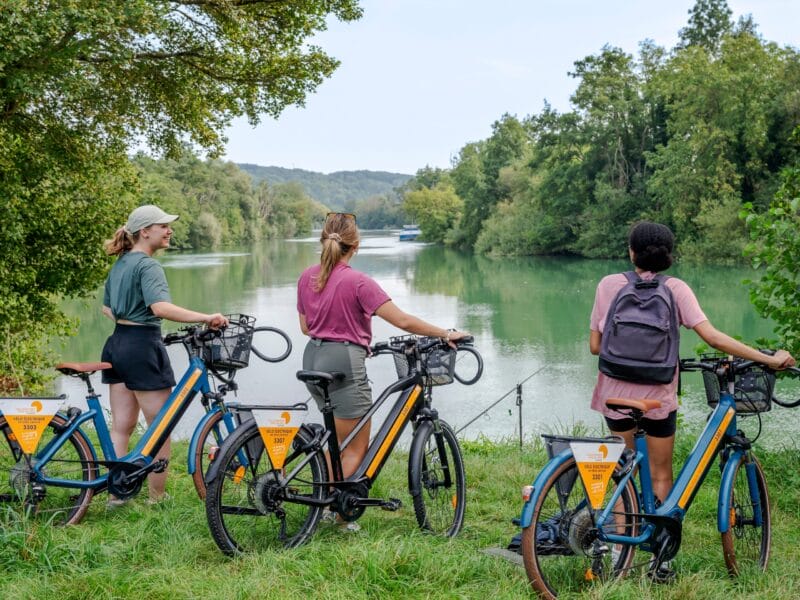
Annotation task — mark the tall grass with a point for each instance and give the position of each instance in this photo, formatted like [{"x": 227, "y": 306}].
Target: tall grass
[{"x": 166, "y": 551}]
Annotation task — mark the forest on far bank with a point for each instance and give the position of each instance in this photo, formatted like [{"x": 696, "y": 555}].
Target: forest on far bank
[{"x": 694, "y": 136}]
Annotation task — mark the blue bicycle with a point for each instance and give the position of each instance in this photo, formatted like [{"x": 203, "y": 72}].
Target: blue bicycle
[
  {"x": 58, "y": 479},
  {"x": 584, "y": 516}
]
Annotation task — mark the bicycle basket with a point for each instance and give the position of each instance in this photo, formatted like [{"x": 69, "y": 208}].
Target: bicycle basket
[
  {"x": 438, "y": 364},
  {"x": 752, "y": 390},
  {"x": 231, "y": 350}
]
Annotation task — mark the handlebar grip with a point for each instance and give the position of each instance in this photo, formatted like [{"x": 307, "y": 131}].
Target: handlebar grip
[
  {"x": 208, "y": 334},
  {"x": 173, "y": 338},
  {"x": 469, "y": 339}
]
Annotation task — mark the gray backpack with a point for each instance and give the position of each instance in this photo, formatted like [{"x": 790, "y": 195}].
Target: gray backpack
[{"x": 641, "y": 336}]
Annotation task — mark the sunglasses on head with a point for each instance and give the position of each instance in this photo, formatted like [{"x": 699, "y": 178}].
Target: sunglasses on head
[{"x": 344, "y": 214}]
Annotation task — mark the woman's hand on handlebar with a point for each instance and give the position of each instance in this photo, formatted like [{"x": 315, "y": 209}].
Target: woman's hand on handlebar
[
  {"x": 216, "y": 321},
  {"x": 780, "y": 360},
  {"x": 454, "y": 336}
]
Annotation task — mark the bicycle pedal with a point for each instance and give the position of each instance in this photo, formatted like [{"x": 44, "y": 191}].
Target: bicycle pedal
[
  {"x": 391, "y": 504},
  {"x": 160, "y": 465}
]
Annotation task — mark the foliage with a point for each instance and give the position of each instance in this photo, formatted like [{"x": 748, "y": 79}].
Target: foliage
[
  {"x": 336, "y": 190},
  {"x": 435, "y": 209},
  {"x": 378, "y": 212},
  {"x": 81, "y": 81},
  {"x": 773, "y": 248},
  {"x": 683, "y": 136}
]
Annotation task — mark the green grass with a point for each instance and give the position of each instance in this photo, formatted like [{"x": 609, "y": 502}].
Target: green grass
[{"x": 166, "y": 551}]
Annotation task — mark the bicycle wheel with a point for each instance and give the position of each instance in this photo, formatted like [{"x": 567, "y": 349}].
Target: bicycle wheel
[
  {"x": 72, "y": 461},
  {"x": 246, "y": 502},
  {"x": 745, "y": 544},
  {"x": 436, "y": 479},
  {"x": 561, "y": 549},
  {"x": 211, "y": 437}
]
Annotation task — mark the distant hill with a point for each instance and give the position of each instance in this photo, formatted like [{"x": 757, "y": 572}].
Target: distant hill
[{"x": 333, "y": 189}]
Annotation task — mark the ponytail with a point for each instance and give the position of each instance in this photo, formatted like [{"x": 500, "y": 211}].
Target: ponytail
[
  {"x": 121, "y": 243},
  {"x": 339, "y": 235}
]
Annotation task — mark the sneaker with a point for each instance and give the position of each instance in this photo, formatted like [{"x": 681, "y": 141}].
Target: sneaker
[
  {"x": 664, "y": 573},
  {"x": 113, "y": 503},
  {"x": 329, "y": 517},
  {"x": 349, "y": 527},
  {"x": 155, "y": 501}
]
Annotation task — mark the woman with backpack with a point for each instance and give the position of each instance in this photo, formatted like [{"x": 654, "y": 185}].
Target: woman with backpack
[{"x": 650, "y": 246}]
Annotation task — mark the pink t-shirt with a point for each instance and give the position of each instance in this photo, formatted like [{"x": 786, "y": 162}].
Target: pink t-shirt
[
  {"x": 689, "y": 315},
  {"x": 342, "y": 311}
]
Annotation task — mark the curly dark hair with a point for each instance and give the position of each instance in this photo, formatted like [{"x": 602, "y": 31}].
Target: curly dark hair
[{"x": 652, "y": 245}]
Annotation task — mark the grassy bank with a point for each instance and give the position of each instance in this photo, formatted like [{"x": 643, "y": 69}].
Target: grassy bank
[{"x": 165, "y": 551}]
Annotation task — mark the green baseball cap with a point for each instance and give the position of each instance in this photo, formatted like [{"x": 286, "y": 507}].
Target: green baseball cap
[{"x": 147, "y": 215}]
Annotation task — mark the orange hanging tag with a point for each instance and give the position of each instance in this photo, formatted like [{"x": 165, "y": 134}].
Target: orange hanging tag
[
  {"x": 28, "y": 418},
  {"x": 278, "y": 428},
  {"x": 596, "y": 462}
]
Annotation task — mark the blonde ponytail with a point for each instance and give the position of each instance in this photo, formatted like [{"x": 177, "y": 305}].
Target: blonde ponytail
[
  {"x": 121, "y": 243},
  {"x": 338, "y": 237}
]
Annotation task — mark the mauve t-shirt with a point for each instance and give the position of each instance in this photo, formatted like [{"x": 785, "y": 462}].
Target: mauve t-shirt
[
  {"x": 343, "y": 310},
  {"x": 689, "y": 315}
]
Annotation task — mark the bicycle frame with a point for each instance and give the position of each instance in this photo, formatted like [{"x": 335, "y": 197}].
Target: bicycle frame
[
  {"x": 194, "y": 381},
  {"x": 718, "y": 432}
]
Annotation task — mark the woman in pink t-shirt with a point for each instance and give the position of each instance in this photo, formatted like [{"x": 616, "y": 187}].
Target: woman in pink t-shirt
[
  {"x": 650, "y": 247},
  {"x": 335, "y": 304}
]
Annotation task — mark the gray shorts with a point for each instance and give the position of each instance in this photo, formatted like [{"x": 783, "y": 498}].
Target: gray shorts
[{"x": 352, "y": 397}]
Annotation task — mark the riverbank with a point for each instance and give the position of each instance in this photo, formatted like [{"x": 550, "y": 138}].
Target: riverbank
[{"x": 140, "y": 551}]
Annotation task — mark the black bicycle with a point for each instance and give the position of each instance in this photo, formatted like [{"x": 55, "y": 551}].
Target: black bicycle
[{"x": 271, "y": 483}]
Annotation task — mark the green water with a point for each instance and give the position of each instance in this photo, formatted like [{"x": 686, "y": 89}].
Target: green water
[{"x": 528, "y": 315}]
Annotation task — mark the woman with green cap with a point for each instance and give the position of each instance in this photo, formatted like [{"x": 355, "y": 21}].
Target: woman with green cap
[{"x": 136, "y": 298}]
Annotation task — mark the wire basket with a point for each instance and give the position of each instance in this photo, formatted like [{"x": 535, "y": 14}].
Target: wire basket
[
  {"x": 231, "y": 350},
  {"x": 752, "y": 389},
  {"x": 438, "y": 364}
]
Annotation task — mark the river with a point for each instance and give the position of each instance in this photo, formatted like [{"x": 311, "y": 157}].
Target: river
[{"x": 529, "y": 316}]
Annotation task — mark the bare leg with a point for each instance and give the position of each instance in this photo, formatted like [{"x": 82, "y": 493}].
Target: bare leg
[
  {"x": 151, "y": 402},
  {"x": 124, "y": 416},
  {"x": 660, "y": 452},
  {"x": 357, "y": 449}
]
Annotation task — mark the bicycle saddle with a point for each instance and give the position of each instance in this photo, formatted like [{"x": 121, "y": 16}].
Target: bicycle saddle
[
  {"x": 321, "y": 378},
  {"x": 642, "y": 404},
  {"x": 76, "y": 368}
]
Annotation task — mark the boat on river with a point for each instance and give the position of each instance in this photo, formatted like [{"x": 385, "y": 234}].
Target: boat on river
[{"x": 409, "y": 233}]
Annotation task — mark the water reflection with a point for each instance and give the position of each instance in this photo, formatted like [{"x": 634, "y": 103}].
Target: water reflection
[{"x": 529, "y": 315}]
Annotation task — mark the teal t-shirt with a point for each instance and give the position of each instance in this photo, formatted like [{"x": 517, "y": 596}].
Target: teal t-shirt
[{"x": 135, "y": 282}]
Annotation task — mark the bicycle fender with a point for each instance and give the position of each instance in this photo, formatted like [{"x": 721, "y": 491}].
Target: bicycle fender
[
  {"x": 527, "y": 509},
  {"x": 725, "y": 486},
  {"x": 191, "y": 465}
]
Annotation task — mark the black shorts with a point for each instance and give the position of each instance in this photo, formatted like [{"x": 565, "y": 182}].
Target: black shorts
[
  {"x": 139, "y": 358},
  {"x": 660, "y": 428}
]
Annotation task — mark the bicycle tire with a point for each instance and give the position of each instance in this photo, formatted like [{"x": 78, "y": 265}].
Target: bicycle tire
[
  {"x": 72, "y": 461},
  {"x": 558, "y": 562},
  {"x": 210, "y": 441},
  {"x": 282, "y": 334},
  {"x": 439, "y": 504},
  {"x": 244, "y": 506},
  {"x": 745, "y": 545}
]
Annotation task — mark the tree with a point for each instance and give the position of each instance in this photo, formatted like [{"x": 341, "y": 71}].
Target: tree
[
  {"x": 709, "y": 22},
  {"x": 436, "y": 210},
  {"x": 475, "y": 175},
  {"x": 81, "y": 82},
  {"x": 773, "y": 248}
]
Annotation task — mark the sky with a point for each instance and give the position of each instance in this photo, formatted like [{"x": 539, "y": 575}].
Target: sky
[{"x": 421, "y": 78}]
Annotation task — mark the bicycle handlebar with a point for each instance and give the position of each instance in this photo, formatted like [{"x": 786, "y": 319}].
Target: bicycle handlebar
[
  {"x": 423, "y": 344},
  {"x": 720, "y": 366}
]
